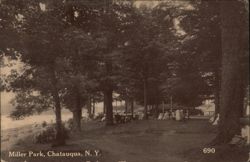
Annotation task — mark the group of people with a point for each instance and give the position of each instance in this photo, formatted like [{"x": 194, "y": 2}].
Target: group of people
[
  {"x": 174, "y": 115},
  {"x": 119, "y": 119},
  {"x": 178, "y": 115}
]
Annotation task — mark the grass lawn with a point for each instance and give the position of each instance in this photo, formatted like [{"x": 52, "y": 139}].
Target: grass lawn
[{"x": 139, "y": 141}]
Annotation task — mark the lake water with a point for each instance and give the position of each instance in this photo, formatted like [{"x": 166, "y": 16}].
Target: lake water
[{"x": 7, "y": 122}]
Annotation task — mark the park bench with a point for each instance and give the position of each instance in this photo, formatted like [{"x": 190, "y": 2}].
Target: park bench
[{"x": 123, "y": 118}]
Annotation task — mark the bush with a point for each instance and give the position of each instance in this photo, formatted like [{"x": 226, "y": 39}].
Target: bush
[
  {"x": 69, "y": 124},
  {"x": 44, "y": 124},
  {"x": 99, "y": 116},
  {"x": 48, "y": 134}
]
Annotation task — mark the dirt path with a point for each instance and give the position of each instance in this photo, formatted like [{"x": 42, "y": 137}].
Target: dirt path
[
  {"x": 139, "y": 141},
  {"x": 155, "y": 141}
]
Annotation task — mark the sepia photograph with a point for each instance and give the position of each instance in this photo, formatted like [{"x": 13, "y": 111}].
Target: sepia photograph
[{"x": 124, "y": 81}]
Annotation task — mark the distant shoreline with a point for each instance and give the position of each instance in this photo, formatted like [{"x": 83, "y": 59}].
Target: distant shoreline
[{"x": 8, "y": 123}]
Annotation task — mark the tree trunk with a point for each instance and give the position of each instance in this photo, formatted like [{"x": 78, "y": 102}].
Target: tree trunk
[
  {"x": 77, "y": 113},
  {"x": 109, "y": 107},
  {"x": 217, "y": 69},
  {"x": 93, "y": 112},
  {"x": 77, "y": 120},
  {"x": 232, "y": 86},
  {"x": 145, "y": 99},
  {"x": 126, "y": 107},
  {"x": 217, "y": 92},
  {"x": 104, "y": 103},
  {"x": 108, "y": 94},
  {"x": 89, "y": 107},
  {"x": 156, "y": 114},
  {"x": 60, "y": 137},
  {"x": 132, "y": 108}
]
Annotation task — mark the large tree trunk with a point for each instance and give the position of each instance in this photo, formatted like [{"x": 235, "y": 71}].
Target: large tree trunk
[
  {"x": 217, "y": 92},
  {"x": 217, "y": 67},
  {"x": 109, "y": 107},
  {"x": 232, "y": 85},
  {"x": 108, "y": 94},
  {"x": 77, "y": 120},
  {"x": 145, "y": 89}
]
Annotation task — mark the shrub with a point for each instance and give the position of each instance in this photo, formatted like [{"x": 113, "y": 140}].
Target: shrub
[
  {"x": 69, "y": 124},
  {"x": 48, "y": 134},
  {"x": 99, "y": 116},
  {"x": 44, "y": 124}
]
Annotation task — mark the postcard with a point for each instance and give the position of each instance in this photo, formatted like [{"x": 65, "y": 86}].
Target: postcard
[{"x": 124, "y": 81}]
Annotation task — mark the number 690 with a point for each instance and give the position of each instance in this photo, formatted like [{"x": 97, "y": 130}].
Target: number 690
[{"x": 208, "y": 150}]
